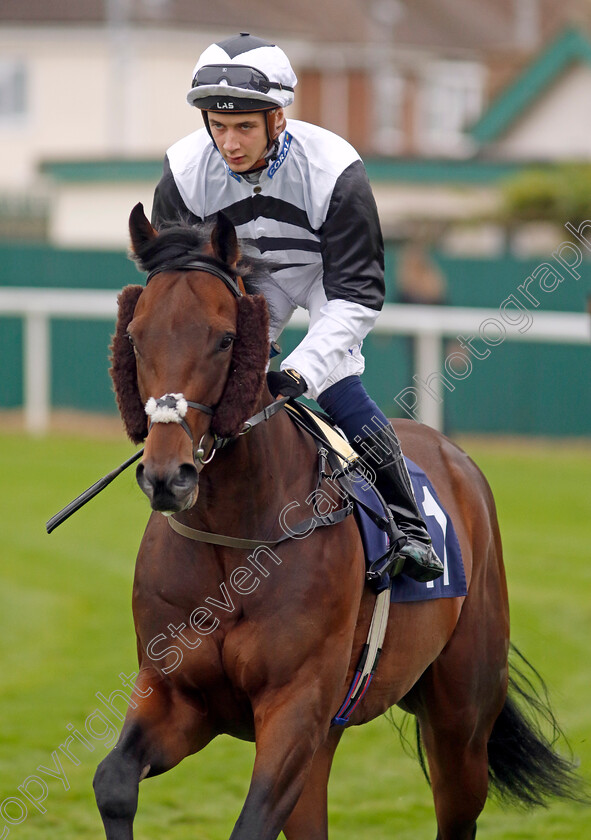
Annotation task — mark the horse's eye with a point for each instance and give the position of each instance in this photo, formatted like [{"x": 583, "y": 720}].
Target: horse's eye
[
  {"x": 130, "y": 339},
  {"x": 226, "y": 342}
]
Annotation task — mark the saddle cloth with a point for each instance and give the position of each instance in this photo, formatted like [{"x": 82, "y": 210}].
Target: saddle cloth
[{"x": 452, "y": 583}]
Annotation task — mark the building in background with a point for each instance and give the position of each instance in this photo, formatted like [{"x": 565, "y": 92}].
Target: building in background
[
  {"x": 92, "y": 93},
  {"x": 445, "y": 100}
]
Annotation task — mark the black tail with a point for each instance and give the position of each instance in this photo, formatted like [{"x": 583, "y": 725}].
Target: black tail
[{"x": 524, "y": 766}]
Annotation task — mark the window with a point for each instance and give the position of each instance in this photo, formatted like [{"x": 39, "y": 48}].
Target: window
[
  {"x": 12, "y": 90},
  {"x": 388, "y": 108},
  {"x": 451, "y": 99}
]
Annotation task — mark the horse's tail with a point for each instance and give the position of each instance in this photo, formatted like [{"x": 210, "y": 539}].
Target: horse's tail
[{"x": 523, "y": 765}]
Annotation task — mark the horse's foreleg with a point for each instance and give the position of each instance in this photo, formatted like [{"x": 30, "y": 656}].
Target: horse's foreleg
[
  {"x": 160, "y": 729},
  {"x": 309, "y": 818},
  {"x": 116, "y": 784},
  {"x": 290, "y": 727}
]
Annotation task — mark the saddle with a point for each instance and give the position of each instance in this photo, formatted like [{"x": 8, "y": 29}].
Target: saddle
[
  {"x": 376, "y": 527},
  {"x": 379, "y": 533}
]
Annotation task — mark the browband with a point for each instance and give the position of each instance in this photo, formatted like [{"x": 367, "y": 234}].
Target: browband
[{"x": 200, "y": 265}]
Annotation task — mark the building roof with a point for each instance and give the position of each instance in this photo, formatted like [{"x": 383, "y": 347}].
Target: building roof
[
  {"x": 570, "y": 47},
  {"x": 380, "y": 170},
  {"x": 449, "y": 24}
]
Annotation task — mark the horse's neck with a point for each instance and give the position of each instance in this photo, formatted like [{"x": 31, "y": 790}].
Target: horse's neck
[{"x": 251, "y": 480}]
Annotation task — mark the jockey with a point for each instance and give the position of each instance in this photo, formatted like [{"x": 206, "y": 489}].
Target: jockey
[{"x": 299, "y": 196}]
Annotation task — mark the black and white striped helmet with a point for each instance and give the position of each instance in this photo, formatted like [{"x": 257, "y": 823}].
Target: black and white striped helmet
[{"x": 242, "y": 73}]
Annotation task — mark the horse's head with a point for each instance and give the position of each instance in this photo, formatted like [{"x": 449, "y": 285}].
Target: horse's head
[{"x": 188, "y": 356}]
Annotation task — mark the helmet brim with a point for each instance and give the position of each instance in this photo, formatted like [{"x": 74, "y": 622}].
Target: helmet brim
[{"x": 206, "y": 97}]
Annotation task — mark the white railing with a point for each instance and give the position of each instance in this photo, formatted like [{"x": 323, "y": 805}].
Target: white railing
[{"x": 428, "y": 325}]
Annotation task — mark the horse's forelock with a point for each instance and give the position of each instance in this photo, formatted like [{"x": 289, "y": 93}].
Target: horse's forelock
[
  {"x": 179, "y": 242},
  {"x": 172, "y": 245}
]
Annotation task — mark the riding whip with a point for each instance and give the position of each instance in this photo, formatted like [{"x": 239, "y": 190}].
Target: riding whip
[{"x": 89, "y": 494}]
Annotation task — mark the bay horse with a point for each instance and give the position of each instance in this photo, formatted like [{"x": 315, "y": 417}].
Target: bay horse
[{"x": 262, "y": 644}]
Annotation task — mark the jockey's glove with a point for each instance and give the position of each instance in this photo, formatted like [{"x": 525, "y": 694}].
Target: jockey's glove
[{"x": 286, "y": 383}]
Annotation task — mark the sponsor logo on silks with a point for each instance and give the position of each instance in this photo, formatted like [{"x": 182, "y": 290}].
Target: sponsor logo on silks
[
  {"x": 224, "y": 106},
  {"x": 282, "y": 155}
]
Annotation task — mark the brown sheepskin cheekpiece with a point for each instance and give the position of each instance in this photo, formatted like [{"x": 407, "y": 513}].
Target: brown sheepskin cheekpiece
[
  {"x": 245, "y": 382},
  {"x": 249, "y": 363},
  {"x": 123, "y": 369}
]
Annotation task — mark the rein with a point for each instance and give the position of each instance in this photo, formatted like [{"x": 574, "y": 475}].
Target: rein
[
  {"x": 304, "y": 528},
  {"x": 172, "y": 408}
]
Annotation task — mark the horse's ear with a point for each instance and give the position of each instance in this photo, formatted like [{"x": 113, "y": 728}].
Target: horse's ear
[
  {"x": 123, "y": 368},
  {"x": 140, "y": 229},
  {"x": 249, "y": 365},
  {"x": 224, "y": 241}
]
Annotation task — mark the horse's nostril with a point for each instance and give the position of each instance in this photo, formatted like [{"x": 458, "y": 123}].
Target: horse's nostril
[
  {"x": 186, "y": 477},
  {"x": 168, "y": 490}
]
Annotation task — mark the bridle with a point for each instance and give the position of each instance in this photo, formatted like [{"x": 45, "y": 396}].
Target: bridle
[
  {"x": 212, "y": 268},
  {"x": 172, "y": 408}
]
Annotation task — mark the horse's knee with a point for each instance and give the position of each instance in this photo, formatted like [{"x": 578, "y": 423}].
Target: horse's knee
[{"x": 116, "y": 784}]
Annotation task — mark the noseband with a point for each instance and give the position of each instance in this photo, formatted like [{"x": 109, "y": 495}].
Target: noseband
[{"x": 172, "y": 408}]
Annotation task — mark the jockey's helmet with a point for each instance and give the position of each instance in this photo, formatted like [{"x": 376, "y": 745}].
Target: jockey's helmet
[{"x": 244, "y": 73}]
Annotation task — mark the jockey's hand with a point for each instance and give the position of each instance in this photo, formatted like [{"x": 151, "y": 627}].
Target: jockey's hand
[{"x": 286, "y": 383}]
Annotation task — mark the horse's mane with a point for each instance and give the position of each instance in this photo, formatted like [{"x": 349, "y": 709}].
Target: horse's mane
[{"x": 179, "y": 242}]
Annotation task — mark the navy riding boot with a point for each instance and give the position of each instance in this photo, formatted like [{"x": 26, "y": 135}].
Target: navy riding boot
[{"x": 381, "y": 451}]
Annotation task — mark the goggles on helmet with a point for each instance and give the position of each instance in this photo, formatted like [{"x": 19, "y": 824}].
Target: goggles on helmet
[{"x": 236, "y": 75}]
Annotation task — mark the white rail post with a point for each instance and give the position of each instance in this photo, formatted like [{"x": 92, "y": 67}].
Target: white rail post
[
  {"x": 428, "y": 359},
  {"x": 37, "y": 356}
]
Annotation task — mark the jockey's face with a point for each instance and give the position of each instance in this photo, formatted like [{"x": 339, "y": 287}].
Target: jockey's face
[{"x": 241, "y": 138}]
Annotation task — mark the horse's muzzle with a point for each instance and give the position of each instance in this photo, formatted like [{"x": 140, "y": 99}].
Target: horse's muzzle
[{"x": 169, "y": 491}]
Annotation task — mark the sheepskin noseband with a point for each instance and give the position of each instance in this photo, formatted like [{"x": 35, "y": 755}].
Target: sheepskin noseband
[{"x": 171, "y": 408}]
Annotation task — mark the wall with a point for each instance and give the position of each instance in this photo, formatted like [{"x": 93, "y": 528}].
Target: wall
[
  {"x": 557, "y": 127},
  {"x": 85, "y": 99}
]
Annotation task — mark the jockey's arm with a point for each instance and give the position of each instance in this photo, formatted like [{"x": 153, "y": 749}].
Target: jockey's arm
[{"x": 353, "y": 279}]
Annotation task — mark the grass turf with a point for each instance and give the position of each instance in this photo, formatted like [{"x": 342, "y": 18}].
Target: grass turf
[{"x": 67, "y": 634}]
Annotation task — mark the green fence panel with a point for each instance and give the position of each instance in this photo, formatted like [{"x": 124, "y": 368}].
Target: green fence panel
[
  {"x": 11, "y": 362},
  {"x": 520, "y": 388},
  {"x": 80, "y": 365},
  {"x": 40, "y": 265}
]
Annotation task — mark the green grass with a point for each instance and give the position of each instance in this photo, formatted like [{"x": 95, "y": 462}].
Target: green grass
[{"x": 67, "y": 633}]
